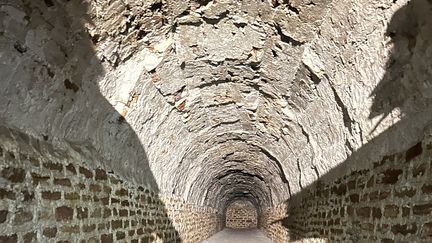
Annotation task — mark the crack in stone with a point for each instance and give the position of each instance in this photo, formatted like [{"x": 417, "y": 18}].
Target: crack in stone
[
  {"x": 300, "y": 173},
  {"x": 345, "y": 114},
  {"x": 287, "y": 39}
]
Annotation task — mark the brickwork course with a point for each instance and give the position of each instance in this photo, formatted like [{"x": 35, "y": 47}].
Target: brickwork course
[
  {"x": 241, "y": 215},
  {"x": 170, "y": 120}
]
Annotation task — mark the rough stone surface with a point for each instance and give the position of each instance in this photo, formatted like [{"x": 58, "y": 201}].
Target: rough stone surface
[
  {"x": 266, "y": 96},
  {"x": 367, "y": 210},
  {"x": 210, "y": 102},
  {"x": 77, "y": 212}
]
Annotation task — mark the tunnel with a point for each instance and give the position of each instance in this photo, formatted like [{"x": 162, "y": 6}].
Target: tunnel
[{"x": 215, "y": 121}]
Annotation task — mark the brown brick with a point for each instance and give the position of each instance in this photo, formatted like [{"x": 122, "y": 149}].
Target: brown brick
[
  {"x": 48, "y": 195},
  {"x": 89, "y": 228},
  {"x": 421, "y": 209},
  {"x": 351, "y": 185},
  {"x": 30, "y": 237},
  {"x": 339, "y": 190},
  {"x": 354, "y": 198},
  {"x": 82, "y": 213},
  {"x": 107, "y": 238},
  {"x": 122, "y": 192},
  {"x": 50, "y": 232},
  {"x": 15, "y": 175},
  {"x": 413, "y": 152},
  {"x": 105, "y": 200},
  {"x": 427, "y": 188},
  {"x": 376, "y": 213},
  {"x": 150, "y": 239},
  {"x": 62, "y": 182},
  {"x": 3, "y": 216},
  {"x": 391, "y": 211},
  {"x": 95, "y": 188},
  {"x": 86, "y": 172},
  {"x": 120, "y": 235},
  {"x": 22, "y": 216},
  {"x": 387, "y": 241},
  {"x": 390, "y": 176},
  {"x": 116, "y": 224},
  {"x": 38, "y": 179},
  {"x": 404, "y": 229},
  {"x": 134, "y": 223},
  {"x": 74, "y": 229},
  {"x": 114, "y": 200},
  {"x": 426, "y": 230},
  {"x": 64, "y": 213},
  {"x": 100, "y": 175},
  {"x": 72, "y": 196},
  {"x": 107, "y": 213},
  {"x": 86, "y": 198},
  {"x": 9, "y": 238},
  {"x": 53, "y": 166},
  {"x": 123, "y": 212},
  {"x": 4, "y": 193},
  {"x": 363, "y": 212}
]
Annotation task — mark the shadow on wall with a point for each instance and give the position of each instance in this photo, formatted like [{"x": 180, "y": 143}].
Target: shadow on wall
[
  {"x": 357, "y": 205},
  {"x": 48, "y": 63},
  {"x": 407, "y": 83}
]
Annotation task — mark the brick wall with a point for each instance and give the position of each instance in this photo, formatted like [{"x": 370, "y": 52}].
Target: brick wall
[
  {"x": 390, "y": 201},
  {"x": 51, "y": 199},
  {"x": 241, "y": 215}
]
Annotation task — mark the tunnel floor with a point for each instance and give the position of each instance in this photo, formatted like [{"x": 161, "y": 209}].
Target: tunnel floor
[{"x": 238, "y": 236}]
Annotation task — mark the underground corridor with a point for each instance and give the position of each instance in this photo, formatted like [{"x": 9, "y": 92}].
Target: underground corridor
[{"x": 215, "y": 121}]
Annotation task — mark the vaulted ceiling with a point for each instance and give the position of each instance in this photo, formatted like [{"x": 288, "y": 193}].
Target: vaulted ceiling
[{"x": 213, "y": 101}]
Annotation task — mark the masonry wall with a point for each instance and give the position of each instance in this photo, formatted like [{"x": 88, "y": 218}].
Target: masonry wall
[
  {"x": 391, "y": 201},
  {"x": 241, "y": 215},
  {"x": 52, "y": 199}
]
